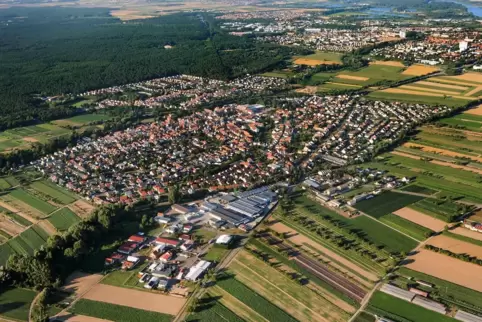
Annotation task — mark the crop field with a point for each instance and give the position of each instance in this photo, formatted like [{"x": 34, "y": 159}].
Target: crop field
[
  {"x": 26, "y": 243},
  {"x": 278, "y": 73},
  {"x": 53, "y": 192},
  {"x": 386, "y": 203},
  {"x": 447, "y": 292},
  {"x": 406, "y": 226},
  {"x": 32, "y": 201},
  {"x": 344, "y": 227},
  {"x": 15, "y": 217},
  {"x": 63, "y": 219},
  {"x": 4, "y": 185},
  {"x": 119, "y": 313},
  {"x": 456, "y": 245},
  {"x": 418, "y": 189},
  {"x": 419, "y": 70},
  {"x": 420, "y": 219},
  {"x": 82, "y": 119},
  {"x": 444, "y": 210},
  {"x": 296, "y": 299},
  {"x": 15, "y": 303},
  {"x": 399, "y": 310},
  {"x": 401, "y": 95},
  {"x": 465, "y": 121},
  {"x": 319, "y": 58},
  {"x": 255, "y": 301},
  {"x": 391, "y": 240},
  {"x": 210, "y": 309},
  {"x": 23, "y": 137},
  {"x": 379, "y": 72},
  {"x": 365, "y": 317},
  {"x": 448, "y": 268}
]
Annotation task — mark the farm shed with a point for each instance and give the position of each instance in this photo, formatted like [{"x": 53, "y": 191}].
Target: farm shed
[
  {"x": 429, "y": 304},
  {"x": 397, "y": 292},
  {"x": 467, "y": 317},
  {"x": 197, "y": 270},
  {"x": 418, "y": 292}
]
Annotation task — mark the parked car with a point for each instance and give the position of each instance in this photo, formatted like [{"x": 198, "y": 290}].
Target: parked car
[{"x": 144, "y": 278}]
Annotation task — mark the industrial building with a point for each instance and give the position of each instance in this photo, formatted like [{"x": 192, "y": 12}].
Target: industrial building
[
  {"x": 467, "y": 317},
  {"x": 229, "y": 216},
  {"x": 397, "y": 292}
]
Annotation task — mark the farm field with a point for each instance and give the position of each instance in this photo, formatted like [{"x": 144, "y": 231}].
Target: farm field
[
  {"x": 114, "y": 312},
  {"x": 406, "y": 226},
  {"x": 23, "y": 137},
  {"x": 419, "y": 70},
  {"x": 296, "y": 299},
  {"x": 464, "y": 121},
  {"x": 456, "y": 246},
  {"x": 24, "y": 243},
  {"x": 63, "y": 219},
  {"x": 81, "y": 120},
  {"x": 249, "y": 297},
  {"x": 15, "y": 303},
  {"x": 448, "y": 268},
  {"x": 400, "y": 95},
  {"x": 467, "y": 233},
  {"x": 319, "y": 58},
  {"x": 51, "y": 191},
  {"x": 135, "y": 299},
  {"x": 396, "y": 309},
  {"x": 386, "y": 203},
  {"x": 212, "y": 310},
  {"x": 445, "y": 291},
  {"x": 420, "y": 219},
  {"x": 444, "y": 210},
  {"x": 32, "y": 201},
  {"x": 344, "y": 227},
  {"x": 418, "y": 189}
]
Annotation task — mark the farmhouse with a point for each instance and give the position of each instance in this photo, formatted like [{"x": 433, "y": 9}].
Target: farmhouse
[
  {"x": 130, "y": 262},
  {"x": 127, "y": 248}
]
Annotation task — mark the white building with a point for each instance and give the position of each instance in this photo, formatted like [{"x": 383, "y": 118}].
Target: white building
[{"x": 197, "y": 270}]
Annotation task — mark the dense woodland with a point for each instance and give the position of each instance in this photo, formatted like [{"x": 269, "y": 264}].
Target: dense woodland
[{"x": 50, "y": 52}]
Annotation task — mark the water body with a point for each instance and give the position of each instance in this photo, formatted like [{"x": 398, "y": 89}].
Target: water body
[{"x": 384, "y": 11}]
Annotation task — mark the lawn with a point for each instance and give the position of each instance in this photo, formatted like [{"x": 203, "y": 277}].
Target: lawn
[
  {"x": 52, "y": 192},
  {"x": 258, "y": 303},
  {"x": 63, "y": 219},
  {"x": 215, "y": 254},
  {"x": 397, "y": 309},
  {"x": 33, "y": 201},
  {"x": 447, "y": 292},
  {"x": 15, "y": 303},
  {"x": 418, "y": 189},
  {"x": 391, "y": 240},
  {"x": 211, "y": 310},
  {"x": 386, "y": 203},
  {"x": 412, "y": 229},
  {"x": 116, "y": 313}
]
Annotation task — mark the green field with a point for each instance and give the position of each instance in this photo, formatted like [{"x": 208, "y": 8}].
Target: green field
[
  {"x": 258, "y": 303},
  {"x": 418, "y": 189},
  {"x": 278, "y": 73},
  {"x": 466, "y": 121},
  {"x": 15, "y": 303},
  {"x": 429, "y": 100},
  {"x": 4, "y": 185},
  {"x": 400, "y": 310},
  {"x": 445, "y": 210},
  {"x": 215, "y": 254},
  {"x": 319, "y": 55},
  {"x": 14, "y": 138},
  {"x": 26, "y": 243},
  {"x": 211, "y": 310},
  {"x": 416, "y": 231},
  {"x": 365, "y": 317},
  {"x": 380, "y": 72},
  {"x": 88, "y": 118},
  {"x": 63, "y": 219},
  {"x": 391, "y": 240},
  {"x": 53, "y": 192},
  {"x": 17, "y": 218},
  {"x": 116, "y": 313},
  {"x": 446, "y": 292},
  {"x": 36, "y": 203},
  {"x": 386, "y": 203}
]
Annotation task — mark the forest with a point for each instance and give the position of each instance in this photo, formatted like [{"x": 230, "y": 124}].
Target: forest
[{"x": 45, "y": 51}]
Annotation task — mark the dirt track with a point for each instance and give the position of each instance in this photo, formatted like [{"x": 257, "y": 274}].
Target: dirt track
[
  {"x": 447, "y": 268},
  {"x": 456, "y": 246},
  {"x": 136, "y": 298},
  {"x": 421, "y": 219}
]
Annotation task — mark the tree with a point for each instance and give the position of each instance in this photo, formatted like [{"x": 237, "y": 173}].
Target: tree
[{"x": 174, "y": 194}]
